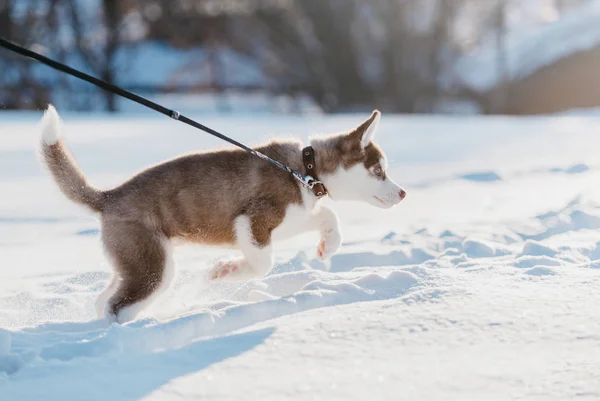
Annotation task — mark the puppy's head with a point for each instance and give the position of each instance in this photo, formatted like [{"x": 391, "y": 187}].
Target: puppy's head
[{"x": 353, "y": 167}]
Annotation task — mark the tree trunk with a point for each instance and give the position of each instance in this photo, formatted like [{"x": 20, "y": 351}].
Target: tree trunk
[
  {"x": 444, "y": 17},
  {"x": 111, "y": 22},
  {"x": 500, "y": 94},
  {"x": 5, "y": 19}
]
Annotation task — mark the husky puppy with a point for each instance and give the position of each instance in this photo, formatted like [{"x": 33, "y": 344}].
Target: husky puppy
[{"x": 223, "y": 197}]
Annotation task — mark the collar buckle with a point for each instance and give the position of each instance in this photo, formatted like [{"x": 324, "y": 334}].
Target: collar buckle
[{"x": 310, "y": 180}]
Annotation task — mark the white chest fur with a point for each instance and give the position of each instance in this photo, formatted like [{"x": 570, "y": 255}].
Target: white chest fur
[{"x": 298, "y": 218}]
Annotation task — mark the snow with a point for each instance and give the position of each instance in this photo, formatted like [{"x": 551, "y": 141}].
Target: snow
[
  {"x": 481, "y": 285},
  {"x": 527, "y": 51}
]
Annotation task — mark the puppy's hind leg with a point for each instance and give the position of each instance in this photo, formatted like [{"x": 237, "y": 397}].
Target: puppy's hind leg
[
  {"x": 144, "y": 268},
  {"x": 100, "y": 305},
  {"x": 256, "y": 248}
]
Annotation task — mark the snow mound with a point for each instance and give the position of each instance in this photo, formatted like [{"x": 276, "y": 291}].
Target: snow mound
[
  {"x": 399, "y": 257},
  {"x": 95, "y": 339},
  {"x": 540, "y": 271},
  {"x": 535, "y": 248},
  {"x": 5, "y": 341},
  {"x": 488, "y": 176},
  {"x": 574, "y": 169},
  {"x": 532, "y": 261},
  {"x": 477, "y": 248},
  {"x": 575, "y": 216},
  {"x": 9, "y": 363}
]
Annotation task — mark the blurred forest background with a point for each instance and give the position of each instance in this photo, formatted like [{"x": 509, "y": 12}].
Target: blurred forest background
[{"x": 405, "y": 56}]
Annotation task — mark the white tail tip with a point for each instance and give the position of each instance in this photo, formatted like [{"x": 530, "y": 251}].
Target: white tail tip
[{"x": 50, "y": 126}]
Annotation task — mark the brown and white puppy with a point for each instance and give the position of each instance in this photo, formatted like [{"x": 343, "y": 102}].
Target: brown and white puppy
[{"x": 224, "y": 197}]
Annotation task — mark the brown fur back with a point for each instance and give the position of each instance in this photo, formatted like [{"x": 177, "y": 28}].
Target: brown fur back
[{"x": 198, "y": 196}]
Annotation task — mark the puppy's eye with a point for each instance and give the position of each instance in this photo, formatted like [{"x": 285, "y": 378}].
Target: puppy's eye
[{"x": 378, "y": 171}]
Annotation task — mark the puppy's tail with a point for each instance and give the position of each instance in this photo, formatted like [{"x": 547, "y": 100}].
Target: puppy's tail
[{"x": 63, "y": 168}]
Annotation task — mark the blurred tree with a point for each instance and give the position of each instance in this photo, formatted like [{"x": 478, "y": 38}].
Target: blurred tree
[
  {"x": 397, "y": 55},
  {"x": 6, "y": 19},
  {"x": 309, "y": 47},
  {"x": 112, "y": 18},
  {"x": 499, "y": 95},
  {"x": 184, "y": 23},
  {"x": 98, "y": 34},
  {"x": 20, "y": 87},
  {"x": 353, "y": 54},
  {"x": 564, "y": 5}
]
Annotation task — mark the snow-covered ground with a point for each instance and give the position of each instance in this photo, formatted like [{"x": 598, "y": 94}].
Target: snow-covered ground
[{"x": 482, "y": 285}]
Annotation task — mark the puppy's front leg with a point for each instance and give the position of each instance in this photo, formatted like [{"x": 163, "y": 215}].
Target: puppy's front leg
[
  {"x": 255, "y": 245},
  {"x": 331, "y": 235}
]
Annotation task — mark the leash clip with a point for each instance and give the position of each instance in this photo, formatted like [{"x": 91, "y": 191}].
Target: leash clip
[
  {"x": 311, "y": 182},
  {"x": 306, "y": 180}
]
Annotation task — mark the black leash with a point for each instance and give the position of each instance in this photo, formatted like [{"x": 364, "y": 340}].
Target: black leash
[{"x": 307, "y": 181}]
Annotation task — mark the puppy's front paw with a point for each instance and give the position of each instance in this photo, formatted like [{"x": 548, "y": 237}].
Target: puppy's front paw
[{"x": 331, "y": 241}]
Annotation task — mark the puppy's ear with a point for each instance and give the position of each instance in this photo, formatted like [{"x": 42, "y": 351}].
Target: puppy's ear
[{"x": 365, "y": 133}]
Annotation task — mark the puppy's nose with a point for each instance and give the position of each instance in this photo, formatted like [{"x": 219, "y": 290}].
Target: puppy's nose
[{"x": 402, "y": 194}]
